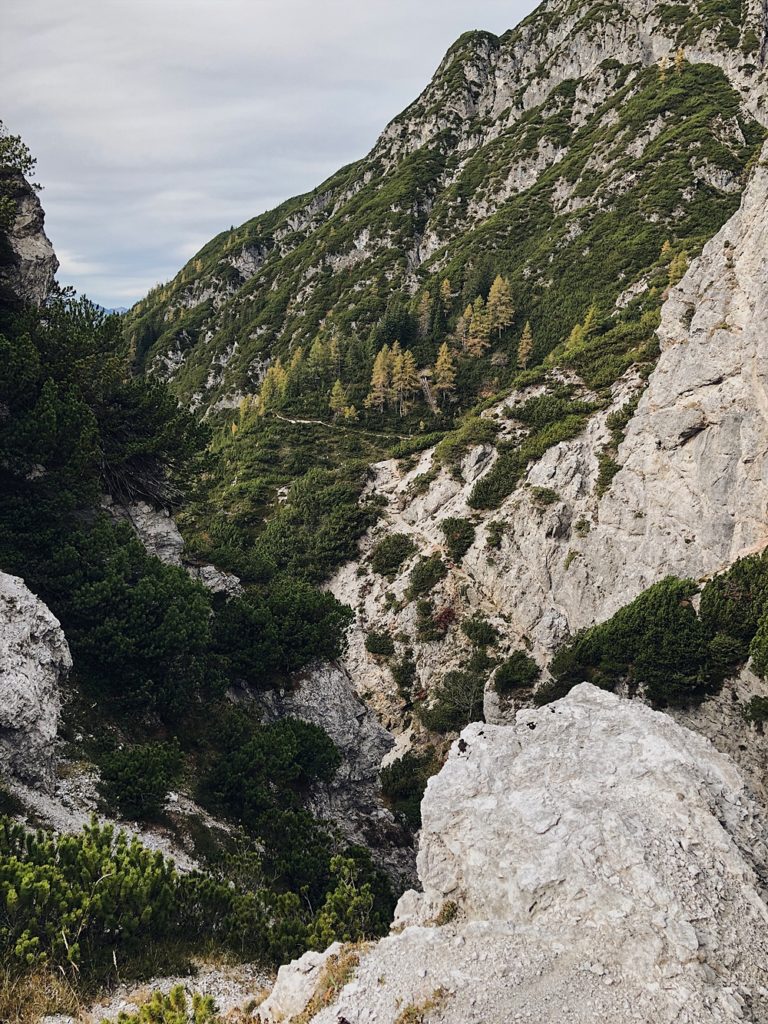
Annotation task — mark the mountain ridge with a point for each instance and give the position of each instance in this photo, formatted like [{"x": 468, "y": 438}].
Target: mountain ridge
[{"x": 278, "y": 280}]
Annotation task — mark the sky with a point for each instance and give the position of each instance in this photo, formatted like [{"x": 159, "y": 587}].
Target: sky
[{"x": 158, "y": 123}]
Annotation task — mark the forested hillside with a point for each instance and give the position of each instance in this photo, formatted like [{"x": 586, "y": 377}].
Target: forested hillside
[
  {"x": 154, "y": 654},
  {"x": 478, "y": 419}
]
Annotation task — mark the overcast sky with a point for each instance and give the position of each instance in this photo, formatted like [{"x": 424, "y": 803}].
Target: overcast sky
[{"x": 158, "y": 123}]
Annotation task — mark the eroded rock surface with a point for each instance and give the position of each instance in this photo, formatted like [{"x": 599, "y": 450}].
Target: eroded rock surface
[
  {"x": 352, "y": 801},
  {"x": 28, "y": 266},
  {"x": 689, "y": 499},
  {"x": 34, "y": 659},
  {"x": 601, "y": 863}
]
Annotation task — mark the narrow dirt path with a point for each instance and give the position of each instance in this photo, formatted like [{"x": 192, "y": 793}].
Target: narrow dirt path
[{"x": 339, "y": 426}]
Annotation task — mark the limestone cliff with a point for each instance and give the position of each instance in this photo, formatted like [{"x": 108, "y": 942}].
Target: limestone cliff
[
  {"x": 594, "y": 861},
  {"x": 689, "y": 498},
  {"x": 27, "y": 260},
  {"x": 34, "y": 661}
]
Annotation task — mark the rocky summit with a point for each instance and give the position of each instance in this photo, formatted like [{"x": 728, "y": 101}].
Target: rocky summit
[{"x": 384, "y": 598}]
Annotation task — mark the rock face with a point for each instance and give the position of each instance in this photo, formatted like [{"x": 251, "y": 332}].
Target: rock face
[
  {"x": 34, "y": 658},
  {"x": 158, "y": 532},
  {"x": 352, "y": 801},
  {"x": 28, "y": 266},
  {"x": 593, "y": 862},
  {"x": 690, "y": 497},
  {"x": 692, "y": 493}
]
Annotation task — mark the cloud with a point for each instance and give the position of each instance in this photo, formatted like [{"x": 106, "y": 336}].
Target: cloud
[{"x": 158, "y": 123}]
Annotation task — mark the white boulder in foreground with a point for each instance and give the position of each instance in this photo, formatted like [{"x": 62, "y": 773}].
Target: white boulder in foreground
[{"x": 603, "y": 862}]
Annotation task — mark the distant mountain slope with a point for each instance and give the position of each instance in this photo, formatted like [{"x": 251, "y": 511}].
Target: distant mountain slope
[{"x": 562, "y": 154}]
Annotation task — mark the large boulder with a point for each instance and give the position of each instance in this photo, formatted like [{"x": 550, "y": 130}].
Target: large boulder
[
  {"x": 34, "y": 659},
  {"x": 595, "y": 861}
]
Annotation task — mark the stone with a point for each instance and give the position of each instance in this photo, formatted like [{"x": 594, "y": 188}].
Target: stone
[
  {"x": 34, "y": 661},
  {"x": 27, "y": 275},
  {"x": 296, "y": 984},
  {"x": 602, "y": 862}
]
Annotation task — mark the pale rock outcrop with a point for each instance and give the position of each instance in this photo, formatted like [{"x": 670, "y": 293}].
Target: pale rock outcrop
[
  {"x": 34, "y": 660},
  {"x": 29, "y": 271},
  {"x": 296, "y": 983},
  {"x": 690, "y": 497},
  {"x": 158, "y": 532},
  {"x": 593, "y": 862}
]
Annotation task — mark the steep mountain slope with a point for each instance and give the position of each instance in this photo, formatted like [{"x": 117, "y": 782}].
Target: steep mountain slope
[
  {"x": 686, "y": 497},
  {"x": 561, "y": 152}
]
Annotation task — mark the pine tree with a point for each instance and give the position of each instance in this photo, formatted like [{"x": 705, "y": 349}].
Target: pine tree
[
  {"x": 479, "y": 329},
  {"x": 338, "y": 399},
  {"x": 663, "y": 65},
  {"x": 677, "y": 268},
  {"x": 679, "y": 60},
  {"x": 424, "y": 315},
  {"x": 380, "y": 381},
  {"x": 525, "y": 348},
  {"x": 273, "y": 387},
  {"x": 444, "y": 379},
  {"x": 319, "y": 362},
  {"x": 405, "y": 379},
  {"x": 446, "y": 295},
  {"x": 500, "y": 310}
]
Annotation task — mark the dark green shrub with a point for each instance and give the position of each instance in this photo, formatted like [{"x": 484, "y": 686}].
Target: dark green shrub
[
  {"x": 479, "y": 630},
  {"x": 425, "y": 575},
  {"x": 403, "y": 783},
  {"x": 518, "y": 672},
  {"x": 380, "y": 644},
  {"x": 174, "y": 1008},
  {"x": 76, "y": 900},
  {"x": 459, "y": 537},
  {"x": 733, "y": 602},
  {"x": 457, "y": 701},
  {"x": 432, "y": 624},
  {"x": 656, "y": 642},
  {"x": 390, "y": 553},
  {"x": 136, "y": 780},
  {"x": 756, "y": 710},
  {"x": 494, "y": 534},
  {"x": 544, "y": 496},
  {"x": 404, "y": 672}
]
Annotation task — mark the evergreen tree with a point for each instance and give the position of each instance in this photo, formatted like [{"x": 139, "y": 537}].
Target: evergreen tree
[
  {"x": 405, "y": 379},
  {"x": 500, "y": 310},
  {"x": 338, "y": 400},
  {"x": 479, "y": 329},
  {"x": 525, "y": 348},
  {"x": 424, "y": 315},
  {"x": 444, "y": 379},
  {"x": 273, "y": 387},
  {"x": 378, "y": 393}
]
